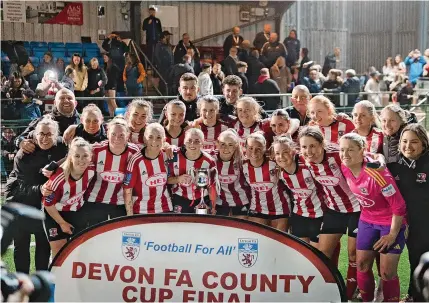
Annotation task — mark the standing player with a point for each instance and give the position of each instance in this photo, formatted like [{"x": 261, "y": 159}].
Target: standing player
[
  {"x": 190, "y": 158},
  {"x": 174, "y": 123},
  {"x": 91, "y": 127},
  {"x": 365, "y": 120},
  {"x": 343, "y": 209},
  {"x": 139, "y": 113},
  {"x": 68, "y": 185},
  {"x": 208, "y": 109},
  {"x": 280, "y": 123},
  {"x": 145, "y": 184},
  {"x": 234, "y": 193},
  {"x": 322, "y": 113},
  {"x": 382, "y": 225},
  {"x": 270, "y": 203},
  {"x": 307, "y": 216},
  {"x": 105, "y": 195}
]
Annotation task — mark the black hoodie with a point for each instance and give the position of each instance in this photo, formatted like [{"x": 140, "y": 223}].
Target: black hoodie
[
  {"x": 191, "y": 110},
  {"x": 63, "y": 121},
  {"x": 24, "y": 182}
]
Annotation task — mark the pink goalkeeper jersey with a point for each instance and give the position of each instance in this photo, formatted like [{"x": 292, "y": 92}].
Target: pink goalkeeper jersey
[{"x": 377, "y": 193}]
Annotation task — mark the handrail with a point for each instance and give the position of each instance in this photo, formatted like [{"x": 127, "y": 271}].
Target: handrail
[
  {"x": 226, "y": 31},
  {"x": 175, "y": 96},
  {"x": 137, "y": 48}
]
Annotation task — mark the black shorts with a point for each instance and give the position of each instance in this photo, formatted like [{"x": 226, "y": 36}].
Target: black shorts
[
  {"x": 225, "y": 210},
  {"x": 183, "y": 205},
  {"x": 53, "y": 229},
  {"x": 303, "y": 227},
  {"x": 255, "y": 214},
  {"x": 95, "y": 212},
  {"x": 335, "y": 222}
]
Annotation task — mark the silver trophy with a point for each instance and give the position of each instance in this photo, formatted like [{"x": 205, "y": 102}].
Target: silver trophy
[{"x": 202, "y": 182}]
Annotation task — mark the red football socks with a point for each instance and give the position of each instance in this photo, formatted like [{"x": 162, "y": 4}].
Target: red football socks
[
  {"x": 391, "y": 290},
  {"x": 351, "y": 280},
  {"x": 365, "y": 281}
]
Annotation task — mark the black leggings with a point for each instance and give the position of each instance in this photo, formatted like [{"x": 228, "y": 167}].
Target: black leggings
[
  {"x": 95, "y": 213},
  {"x": 22, "y": 247},
  {"x": 416, "y": 248}
]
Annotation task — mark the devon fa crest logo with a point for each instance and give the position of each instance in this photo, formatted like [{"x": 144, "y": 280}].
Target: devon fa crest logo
[
  {"x": 247, "y": 252},
  {"x": 131, "y": 245}
]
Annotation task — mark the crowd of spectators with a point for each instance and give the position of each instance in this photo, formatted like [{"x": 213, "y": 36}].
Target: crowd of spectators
[{"x": 120, "y": 74}]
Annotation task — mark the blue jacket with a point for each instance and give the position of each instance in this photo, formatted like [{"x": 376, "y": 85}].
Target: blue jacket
[
  {"x": 416, "y": 68},
  {"x": 312, "y": 86},
  {"x": 132, "y": 76},
  {"x": 30, "y": 111}
]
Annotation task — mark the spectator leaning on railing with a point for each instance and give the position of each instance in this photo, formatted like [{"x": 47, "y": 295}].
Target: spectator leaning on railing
[
  {"x": 12, "y": 95},
  {"x": 313, "y": 83},
  {"x": 30, "y": 107},
  {"x": 351, "y": 87}
]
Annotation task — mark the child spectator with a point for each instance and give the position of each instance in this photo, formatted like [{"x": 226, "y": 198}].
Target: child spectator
[
  {"x": 68, "y": 79},
  {"x": 30, "y": 107}
]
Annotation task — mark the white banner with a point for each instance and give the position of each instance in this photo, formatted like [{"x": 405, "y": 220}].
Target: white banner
[
  {"x": 14, "y": 11},
  {"x": 187, "y": 258}
]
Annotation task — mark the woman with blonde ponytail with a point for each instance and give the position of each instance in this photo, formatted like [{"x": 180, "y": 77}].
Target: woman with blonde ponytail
[
  {"x": 68, "y": 184},
  {"x": 234, "y": 196}
]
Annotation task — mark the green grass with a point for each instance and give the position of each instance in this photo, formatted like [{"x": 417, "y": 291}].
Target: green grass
[{"x": 403, "y": 269}]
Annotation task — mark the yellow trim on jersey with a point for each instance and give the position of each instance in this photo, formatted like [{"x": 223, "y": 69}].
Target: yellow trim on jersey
[{"x": 377, "y": 176}]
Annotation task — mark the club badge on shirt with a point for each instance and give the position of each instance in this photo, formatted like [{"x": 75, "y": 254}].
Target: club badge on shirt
[{"x": 421, "y": 178}]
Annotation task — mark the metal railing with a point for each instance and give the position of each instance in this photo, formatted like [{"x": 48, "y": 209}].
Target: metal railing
[{"x": 155, "y": 71}]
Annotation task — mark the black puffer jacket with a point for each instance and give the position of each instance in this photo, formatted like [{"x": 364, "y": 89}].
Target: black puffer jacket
[
  {"x": 100, "y": 136},
  {"x": 24, "y": 182},
  {"x": 63, "y": 121}
]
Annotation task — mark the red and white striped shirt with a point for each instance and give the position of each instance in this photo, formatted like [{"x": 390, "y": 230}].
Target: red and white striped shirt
[
  {"x": 68, "y": 194},
  {"x": 185, "y": 166},
  {"x": 148, "y": 179},
  {"x": 211, "y": 133},
  {"x": 336, "y": 130},
  {"x": 268, "y": 195},
  {"x": 374, "y": 141},
  {"x": 234, "y": 189},
  {"x": 107, "y": 185},
  {"x": 137, "y": 139},
  {"x": 244, "y": 132},
  {"x": 339, "y": 197},
  {"x": 307, "y": 193},
  {"x": 178, "y": 141}
]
